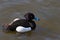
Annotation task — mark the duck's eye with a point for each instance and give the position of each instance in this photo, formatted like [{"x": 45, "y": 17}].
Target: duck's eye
[{"x": 31, "y": 16}]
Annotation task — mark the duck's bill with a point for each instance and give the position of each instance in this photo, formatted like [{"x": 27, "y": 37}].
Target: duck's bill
[{"x": 37, "y": 19}]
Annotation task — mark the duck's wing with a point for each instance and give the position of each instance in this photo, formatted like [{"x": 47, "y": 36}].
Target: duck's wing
[{"x": 14, "y": 20}]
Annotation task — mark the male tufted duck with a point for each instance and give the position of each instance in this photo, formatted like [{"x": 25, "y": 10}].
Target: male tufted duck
[{"x": 22, "y": 25}]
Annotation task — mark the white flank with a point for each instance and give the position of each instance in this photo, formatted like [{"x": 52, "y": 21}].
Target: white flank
[{"x": 23, "y": 29}]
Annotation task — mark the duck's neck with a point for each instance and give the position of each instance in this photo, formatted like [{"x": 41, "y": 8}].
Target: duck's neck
[
  {"x": 29, "y": 20},
  {"x": 32, "y": 23}
]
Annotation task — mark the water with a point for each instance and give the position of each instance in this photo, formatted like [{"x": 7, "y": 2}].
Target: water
[{"x": 48, "y": 28}]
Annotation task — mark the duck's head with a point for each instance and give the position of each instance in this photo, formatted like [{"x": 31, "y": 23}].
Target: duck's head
[{"x": 31, "y": 16}]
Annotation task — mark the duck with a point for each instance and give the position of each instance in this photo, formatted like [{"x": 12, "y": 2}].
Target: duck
[{"x": 22, "y": 25}]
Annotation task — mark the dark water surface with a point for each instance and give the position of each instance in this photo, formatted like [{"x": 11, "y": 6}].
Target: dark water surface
[{"x": 48, "y": 28}]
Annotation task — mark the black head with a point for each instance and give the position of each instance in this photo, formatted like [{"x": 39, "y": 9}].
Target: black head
[{"x": 29, "y": 16}]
